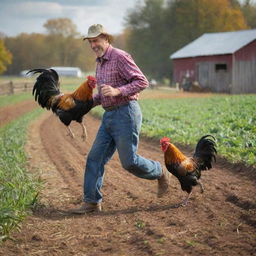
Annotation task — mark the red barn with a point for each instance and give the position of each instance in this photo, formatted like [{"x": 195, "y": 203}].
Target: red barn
[{"x": 220, "y": 62}]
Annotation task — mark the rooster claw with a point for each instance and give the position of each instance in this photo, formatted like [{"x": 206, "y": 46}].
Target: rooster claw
[
  {"x": 185, "y": 201},
  {"x": 182, "y": 204},
  {"x": 201, "y": 186},
  {"x": 70, "y": 133}
]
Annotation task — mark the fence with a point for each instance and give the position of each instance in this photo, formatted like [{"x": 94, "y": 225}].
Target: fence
[{"x": 15, "y": 87}]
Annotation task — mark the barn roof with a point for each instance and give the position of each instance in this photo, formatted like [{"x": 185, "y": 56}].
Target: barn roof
[{"x": 216, "y": 44}]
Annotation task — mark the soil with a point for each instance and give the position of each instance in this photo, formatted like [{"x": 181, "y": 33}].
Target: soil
[
  {"x": 221, "y": 221},
  {"x": 12, "y": 112}
]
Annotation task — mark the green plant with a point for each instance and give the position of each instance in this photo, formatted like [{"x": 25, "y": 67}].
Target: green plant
[
  {"x": 230, "y": 119},
  {"x": 18, "y": 188}
]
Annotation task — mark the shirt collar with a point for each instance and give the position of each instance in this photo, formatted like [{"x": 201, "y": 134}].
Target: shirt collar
[{"x": 106, "y": 55}]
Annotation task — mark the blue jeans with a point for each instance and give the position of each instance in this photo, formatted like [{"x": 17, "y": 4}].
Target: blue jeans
[{"x": 119, "y": 130}]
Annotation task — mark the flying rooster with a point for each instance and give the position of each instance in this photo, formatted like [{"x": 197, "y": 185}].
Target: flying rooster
[
  {"x": 69, "y": 106},
  {"x": 188, "y": 169}
]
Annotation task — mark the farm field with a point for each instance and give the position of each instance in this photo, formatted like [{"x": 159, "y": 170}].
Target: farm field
[
  {"x": 134, "y": 221},
  {"x": 230, "y": 119}
]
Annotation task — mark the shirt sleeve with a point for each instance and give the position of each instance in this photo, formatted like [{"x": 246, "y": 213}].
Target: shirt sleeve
[{"x": 136, "y": 81}]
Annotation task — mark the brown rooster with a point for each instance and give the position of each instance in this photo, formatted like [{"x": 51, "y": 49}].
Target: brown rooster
[
  {"x": 188, "y": 169},
  {"x": 69, "y": 106}
]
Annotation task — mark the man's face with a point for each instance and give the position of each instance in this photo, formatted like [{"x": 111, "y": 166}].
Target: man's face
[{"x": 99, "y": 45}]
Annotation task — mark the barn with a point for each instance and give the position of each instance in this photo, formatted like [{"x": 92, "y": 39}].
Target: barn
[
  {"x": 68, "y": 71},
  {"x": 219, "y": 62}
]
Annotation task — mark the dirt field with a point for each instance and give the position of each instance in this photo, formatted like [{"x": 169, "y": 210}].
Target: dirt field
[{"x": 134, "y": 221}]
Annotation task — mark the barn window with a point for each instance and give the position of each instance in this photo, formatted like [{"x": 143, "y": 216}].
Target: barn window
[{"x": 221, "y": 67}]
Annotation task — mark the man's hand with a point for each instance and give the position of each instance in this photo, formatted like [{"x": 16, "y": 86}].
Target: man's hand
[{"x": 108, "y": 90}]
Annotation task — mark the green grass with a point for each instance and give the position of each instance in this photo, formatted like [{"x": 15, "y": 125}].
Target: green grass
[
  {"x": 230, "y": 119},
  {"x": 18, "y": 188},
  {"x": 13, "y": 99}
]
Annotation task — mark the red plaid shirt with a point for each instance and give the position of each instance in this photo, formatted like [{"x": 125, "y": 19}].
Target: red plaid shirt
[{"x": 117, "y": 68}]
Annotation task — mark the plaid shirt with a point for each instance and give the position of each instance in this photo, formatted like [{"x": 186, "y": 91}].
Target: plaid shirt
[{"x": 117, "y": 68}]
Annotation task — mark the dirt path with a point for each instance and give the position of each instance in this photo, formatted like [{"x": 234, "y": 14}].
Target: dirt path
[
  {"x": 134, "y": 222},
  {"x": 12, "y": 112}
]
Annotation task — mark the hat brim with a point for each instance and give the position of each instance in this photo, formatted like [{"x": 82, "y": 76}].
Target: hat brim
[{"x": 93, "y": 35}]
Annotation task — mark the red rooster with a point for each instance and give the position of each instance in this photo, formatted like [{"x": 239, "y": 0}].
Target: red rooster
[
  {"x": 188, "y": 169},
  {"x": 68, "y": 107}
]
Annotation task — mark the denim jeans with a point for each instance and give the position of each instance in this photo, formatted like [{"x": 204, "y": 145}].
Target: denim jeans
[{"x": 119, "y": 130}]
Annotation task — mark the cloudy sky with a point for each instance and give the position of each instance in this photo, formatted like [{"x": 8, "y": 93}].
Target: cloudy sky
[{"x": 17, "y": 16}]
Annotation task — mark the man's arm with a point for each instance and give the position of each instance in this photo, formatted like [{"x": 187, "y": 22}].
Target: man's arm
[{"x": 131, "y": 72}]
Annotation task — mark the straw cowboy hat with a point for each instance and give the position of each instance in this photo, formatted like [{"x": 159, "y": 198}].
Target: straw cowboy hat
[{"x": 95, "y": 30}]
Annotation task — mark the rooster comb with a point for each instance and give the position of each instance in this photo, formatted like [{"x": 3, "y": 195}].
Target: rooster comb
[
  {"x": 91, "y": 78},
  {"x": 164, "y": 139}
]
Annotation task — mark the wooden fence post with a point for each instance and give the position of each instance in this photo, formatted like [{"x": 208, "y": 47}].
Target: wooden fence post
[{"x": 11, "y": 88}]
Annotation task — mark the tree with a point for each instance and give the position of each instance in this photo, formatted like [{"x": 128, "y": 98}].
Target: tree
[
  {"x": 120, "y": 40},
  {"x": 43, "y": 51},
  {"x": 158, "y": 28},
  {"x": 145, "y": 26},
  {"x": 249, "y": 11},
  {"x": 192, "y": 18},
  {"x": 5, "y": 57},
  {"x": 28, "y": 51},
  {"x": 66, "y": 49},
  {"x": 61, "y": 26}
]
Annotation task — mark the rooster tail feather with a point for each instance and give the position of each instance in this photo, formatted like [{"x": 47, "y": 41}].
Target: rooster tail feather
[
  {"x": 46, "y": 86},
  {"x": 205, "y": 152}
]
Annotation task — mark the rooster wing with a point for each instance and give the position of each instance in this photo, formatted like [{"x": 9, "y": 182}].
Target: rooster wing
[{"x": 76, "y": 113}]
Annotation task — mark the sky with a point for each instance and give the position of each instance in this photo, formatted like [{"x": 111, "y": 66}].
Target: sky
[{"x": 17, "y": 16}]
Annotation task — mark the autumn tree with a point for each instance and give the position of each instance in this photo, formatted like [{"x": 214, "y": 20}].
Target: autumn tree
[
  {"x": 44, "y": 51},
  {"x": 191, "y": 18},
  {"x": 67, "y": 47},
  {"x": 61, "y": 26},
  {"x": 120, "y": 40},
  {"x": 158, "y": 28},
  {"x": 28, "y": 50},
  {"x": 5, "y": 57}
]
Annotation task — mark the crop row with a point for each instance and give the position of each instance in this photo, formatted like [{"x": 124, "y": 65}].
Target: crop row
[
  {"x": 230, "y": 119},
  {"x": 18, "y": 188}
]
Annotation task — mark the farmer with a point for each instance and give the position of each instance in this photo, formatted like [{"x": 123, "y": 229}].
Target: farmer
[{"x": 119, "y": 82}]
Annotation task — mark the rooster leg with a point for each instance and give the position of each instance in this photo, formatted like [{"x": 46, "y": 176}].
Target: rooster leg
[
  {"x": 70, "y": 133},
  {"x": 84, "y": 135},
  {"x": 201, "y": 186},
  {"x": 185, "y": 202}
]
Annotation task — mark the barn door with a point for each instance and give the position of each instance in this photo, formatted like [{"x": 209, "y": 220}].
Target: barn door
[
  {"x": 203, "y": 71},
  {"x": 215, "y": 76},
  {"x": 222, "y": 78}
]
